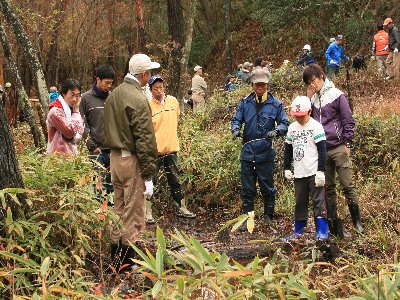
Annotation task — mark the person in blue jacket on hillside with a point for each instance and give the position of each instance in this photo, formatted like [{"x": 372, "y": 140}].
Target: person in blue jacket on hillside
[
  {"x": 264, "y": 118},
  {"x": 334, "y": 56}
]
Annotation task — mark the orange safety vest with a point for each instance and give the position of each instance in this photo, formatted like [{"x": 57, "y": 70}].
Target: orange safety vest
[{"x": 381, "y": 41}]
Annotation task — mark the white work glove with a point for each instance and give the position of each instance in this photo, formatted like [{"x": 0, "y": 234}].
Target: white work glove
[
  {"x": 395, "y": 50},
  {"x": 332, "y": 62},
  {"x": 289, "y": 175},
  {"x": 386, "y": 47},
  {"x": 250, "y": 222},
  {"x": 149, "y": 188},
  {"x": 319, "y": 179}
]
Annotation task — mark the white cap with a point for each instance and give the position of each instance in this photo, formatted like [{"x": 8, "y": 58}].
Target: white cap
[
  {"x": 307, "y": 47},
  {"x": 300, "y": 106},
  {"x": 140, "y": 63},
  {"x": 196, "y": 68}
]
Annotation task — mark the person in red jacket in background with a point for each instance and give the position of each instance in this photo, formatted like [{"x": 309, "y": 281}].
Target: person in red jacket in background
[{"x": 381, "y": 50}]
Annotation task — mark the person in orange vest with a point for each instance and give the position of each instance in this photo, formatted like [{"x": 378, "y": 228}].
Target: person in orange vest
[{"x": 380, "y": 50}]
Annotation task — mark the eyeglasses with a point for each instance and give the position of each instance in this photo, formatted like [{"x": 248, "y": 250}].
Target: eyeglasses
[
  {"x": 75, "y": 95},
  {"x": 108, "y": 82}
]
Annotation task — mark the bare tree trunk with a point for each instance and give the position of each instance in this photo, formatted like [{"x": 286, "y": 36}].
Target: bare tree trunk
[
  {"x": 176, "y": 32},
  {"x": 52, "y": 57},
  {"x": 141, "y": 31},
  {"x": 228, "y": 49},
  {"x": 23, "y": 97},
  {"x": 186, "y": 49},
  {"x": 111, "y": 13},
  {"x": 10, "y": 174},
  {"x": 31, "y": 55}
]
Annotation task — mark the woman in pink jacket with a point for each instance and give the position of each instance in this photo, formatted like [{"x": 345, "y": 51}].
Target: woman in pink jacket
[{"x": 64, "y": 122}]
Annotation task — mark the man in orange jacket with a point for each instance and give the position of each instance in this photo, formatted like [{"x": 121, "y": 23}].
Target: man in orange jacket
[{"x": 380, "y": 50}]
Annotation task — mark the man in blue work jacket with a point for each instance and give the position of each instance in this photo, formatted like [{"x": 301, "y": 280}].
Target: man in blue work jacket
[
  {"x": 334, "y": 56},
  {"x": 264, "y": 118}
]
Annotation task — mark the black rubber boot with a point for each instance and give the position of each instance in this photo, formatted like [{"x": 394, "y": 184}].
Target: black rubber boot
[
  {"x": 115, "y": 256},
  {"x": 268, "y": 219},
  {"x": 355, "y": 216},
  {"x": 269, "y": 209},
  {"x": 127, "y": 254},
  {"x": 336, "y": 228}
]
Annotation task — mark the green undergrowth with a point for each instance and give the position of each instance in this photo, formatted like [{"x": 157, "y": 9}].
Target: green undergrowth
[{"x": 47, "y": 252}]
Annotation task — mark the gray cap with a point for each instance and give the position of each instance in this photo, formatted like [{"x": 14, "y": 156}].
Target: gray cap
[{"x": 259, "y": 76}]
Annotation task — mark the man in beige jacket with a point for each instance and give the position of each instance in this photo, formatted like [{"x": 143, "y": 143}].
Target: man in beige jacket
[{"x": 199, "y": 88}]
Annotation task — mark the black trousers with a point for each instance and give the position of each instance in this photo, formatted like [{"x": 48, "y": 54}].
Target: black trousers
[
  {"x": 263, "y": 172},
  {"x": 170, "y": 165},
  {"x": 303, "y": 189}
]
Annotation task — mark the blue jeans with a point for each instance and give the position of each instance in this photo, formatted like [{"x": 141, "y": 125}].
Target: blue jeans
[
  {"x": 263, "y": 172},
  {"x": 103, "y": 159}
]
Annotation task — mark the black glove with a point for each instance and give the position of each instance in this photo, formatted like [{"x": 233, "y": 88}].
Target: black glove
[
  {"x": 273, "y": 133},
  {"x": 235, "y": 134}
]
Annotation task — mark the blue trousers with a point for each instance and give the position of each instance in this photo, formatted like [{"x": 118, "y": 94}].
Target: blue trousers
[{"x": 263, "y": 172}]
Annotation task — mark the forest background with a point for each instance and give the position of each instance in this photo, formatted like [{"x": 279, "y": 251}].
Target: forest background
[{"x": 73, "y": 37}]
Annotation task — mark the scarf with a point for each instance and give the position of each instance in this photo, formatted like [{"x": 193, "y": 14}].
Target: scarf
[
  {"x": 60, "y": 103},
  {"x": 327, "y": 94},
  {"x": 99, "y": 93}
]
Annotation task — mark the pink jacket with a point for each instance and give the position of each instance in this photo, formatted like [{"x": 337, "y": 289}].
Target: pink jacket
[{"x": 65, "y": 129}]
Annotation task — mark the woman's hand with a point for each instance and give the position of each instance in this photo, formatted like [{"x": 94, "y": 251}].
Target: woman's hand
[{"x": 311, "y": 90}]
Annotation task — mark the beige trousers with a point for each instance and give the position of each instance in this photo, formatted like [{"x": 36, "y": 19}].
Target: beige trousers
[
  {"x": 393, "y": 65},
  {"x": 129, "y": 201},
  {"x": 382, "y": 67},
  {"x": 198, "y": 100}
]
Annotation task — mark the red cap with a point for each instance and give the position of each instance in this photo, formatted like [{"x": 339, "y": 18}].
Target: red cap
[{"x": 387, "y": 21}]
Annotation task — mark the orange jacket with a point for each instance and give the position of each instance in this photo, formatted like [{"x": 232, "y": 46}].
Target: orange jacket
[{"x": 381, "y": 40}]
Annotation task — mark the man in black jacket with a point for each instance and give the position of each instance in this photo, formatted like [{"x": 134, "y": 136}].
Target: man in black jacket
[
  {"x": 92, "y": 111},
  {"x": 393, "y": 60}
]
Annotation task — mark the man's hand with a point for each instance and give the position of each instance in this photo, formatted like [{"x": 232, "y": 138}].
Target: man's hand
[
  {"x": 149, "y": 188},
  {"x": 289, "y": 175},
  {"x": 386, "y": 48},
  {"x": 319, "y": 179},
  {"x": 396, "y": 50},
  {"x": 332, "y": 62},
  {"x": 235, "y": 134},
  {"x": 273, "y": 133},
  {"x": 97, "y": 150}
]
